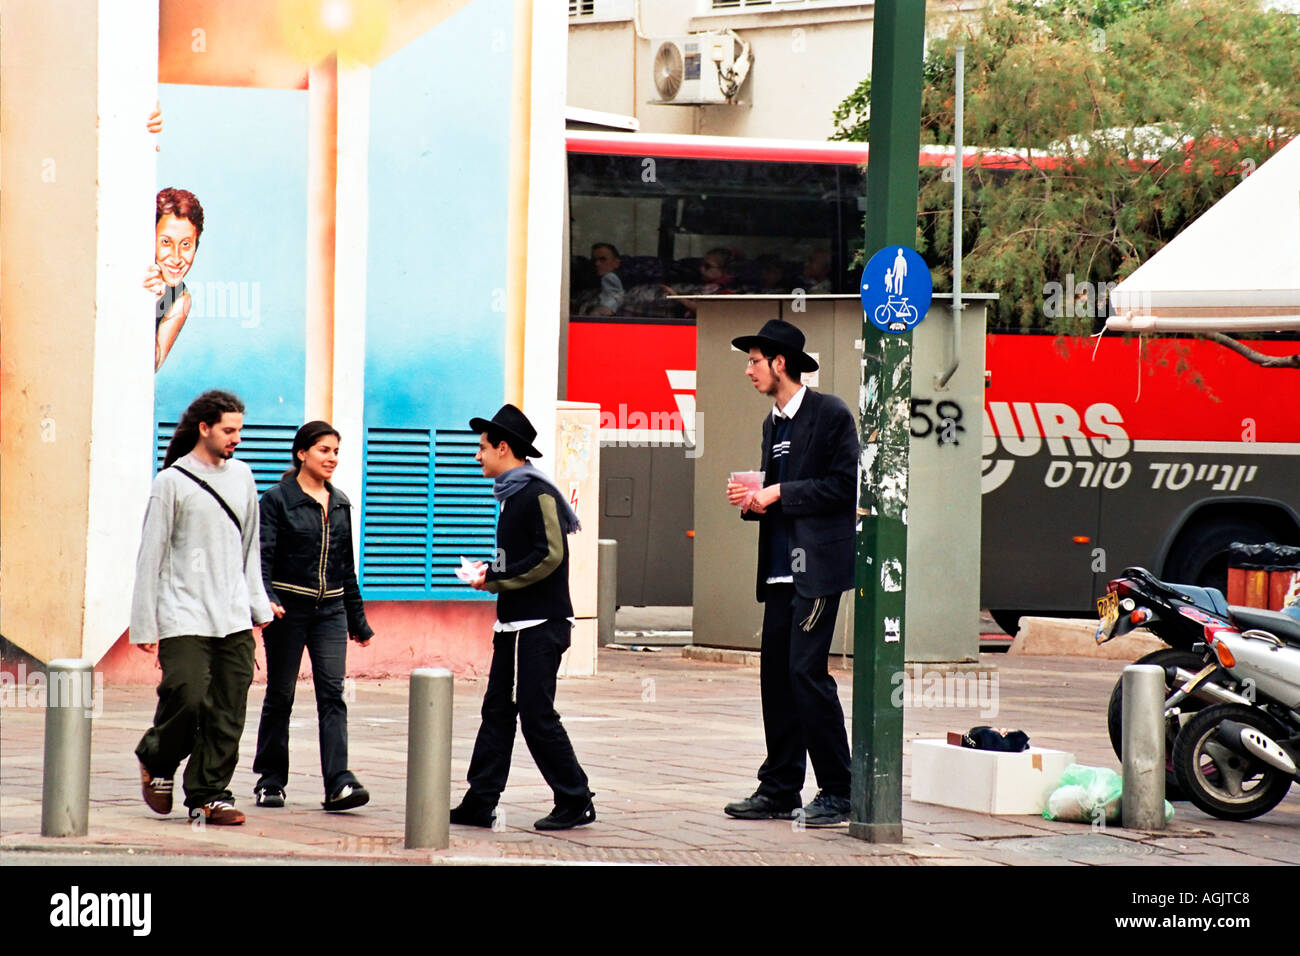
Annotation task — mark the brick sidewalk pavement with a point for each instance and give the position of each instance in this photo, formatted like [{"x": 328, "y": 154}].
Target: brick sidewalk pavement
[{"x": 665, "y": 741}]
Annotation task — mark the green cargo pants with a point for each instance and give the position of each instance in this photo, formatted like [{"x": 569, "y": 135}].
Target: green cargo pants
[{"x": 202, "y": 701}]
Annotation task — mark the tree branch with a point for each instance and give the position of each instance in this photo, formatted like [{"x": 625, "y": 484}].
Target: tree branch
[{"x": 1259, "y": 358}]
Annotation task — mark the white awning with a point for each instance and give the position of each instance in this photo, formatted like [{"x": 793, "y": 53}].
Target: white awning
[{"x": 1235, "y": 269}]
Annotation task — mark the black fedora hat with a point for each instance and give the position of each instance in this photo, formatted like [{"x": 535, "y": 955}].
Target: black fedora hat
[
  {"x": 514, "y": 425},
  {"x": 777, "y": 335}
]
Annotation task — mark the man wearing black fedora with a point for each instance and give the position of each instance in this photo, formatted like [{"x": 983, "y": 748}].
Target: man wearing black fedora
[
  {"x": 530, "y": 576},
  {"x": 806, "y": 535}
]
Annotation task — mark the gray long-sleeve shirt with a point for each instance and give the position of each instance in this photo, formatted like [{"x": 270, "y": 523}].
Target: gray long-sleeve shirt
[{"x": 194, "y": 574}]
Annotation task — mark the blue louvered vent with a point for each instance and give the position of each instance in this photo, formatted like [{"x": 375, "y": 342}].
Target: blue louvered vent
[
  {"x": 464, "y": 511},
  {"x": 395, "y": 513},
  {"x": 264, "y": 448}
]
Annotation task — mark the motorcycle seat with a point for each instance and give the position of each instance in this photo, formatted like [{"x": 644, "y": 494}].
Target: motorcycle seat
[
  {"x": 1211, "y": 599},
  {"x": 1275, "y": 622}
]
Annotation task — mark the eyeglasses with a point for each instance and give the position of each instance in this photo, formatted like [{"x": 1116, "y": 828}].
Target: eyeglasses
[{"x": 750, "y": 363}]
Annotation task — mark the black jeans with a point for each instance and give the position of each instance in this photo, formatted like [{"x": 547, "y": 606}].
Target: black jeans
[
  {"x": 323, "y": 630},
  {"x": 801, "y": 703},
  {"x": 202, "y": 699},
  {"x": 539, "y": 650}
]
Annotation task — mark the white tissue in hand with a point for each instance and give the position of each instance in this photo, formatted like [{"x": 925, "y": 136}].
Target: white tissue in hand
[{"x": 466, "y": 572}]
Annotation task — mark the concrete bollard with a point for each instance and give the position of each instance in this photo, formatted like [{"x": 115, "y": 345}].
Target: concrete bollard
[
  {"x": 1143, "y": 800},
  {"x": 606, "y": 590},
  {"x": 428, "y": 759},
  {"x": 65, "y": 789}
]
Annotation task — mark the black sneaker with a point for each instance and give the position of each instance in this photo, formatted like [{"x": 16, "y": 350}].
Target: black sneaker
[
  {"x": 472, "y": 813},
  {"x": 826, "y": 811},
  {"x": 759, "y": 807},
  {"x": 347, "y": 797},
  {"x": 562, "y": 818},
  {"x": 269, "y": 796}
]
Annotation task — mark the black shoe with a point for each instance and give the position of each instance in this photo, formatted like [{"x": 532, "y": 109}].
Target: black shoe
[
  {"x": 471, "y": 813},
  {"x": 270, "y": 796},
  {"x": 562, "y": 818},
  {"x": 759, "y": 807},
  {"x": 347, "y": 797},
  {"x": 826, "y": 811}
]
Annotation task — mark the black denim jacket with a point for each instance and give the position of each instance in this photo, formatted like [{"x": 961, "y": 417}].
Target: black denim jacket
[{"x": 304, "y": 557}]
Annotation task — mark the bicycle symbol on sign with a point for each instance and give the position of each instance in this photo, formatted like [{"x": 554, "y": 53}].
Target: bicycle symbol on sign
[{"x": 896, "y": 315}]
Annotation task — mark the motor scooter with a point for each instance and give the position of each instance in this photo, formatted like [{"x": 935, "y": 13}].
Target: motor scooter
[
  {"x": 1237, "y": 760},
  {"x": 1178, "y": 615}
]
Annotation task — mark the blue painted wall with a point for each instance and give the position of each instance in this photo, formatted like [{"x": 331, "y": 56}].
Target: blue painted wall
[
  {"x": 436, "y": 277},
  {"x": 440, "y": 126},
  {"x": 243, "y": 153}
]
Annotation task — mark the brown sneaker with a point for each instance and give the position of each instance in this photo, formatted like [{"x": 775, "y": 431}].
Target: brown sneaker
[
  {"x": 157, "y": 791},
  {"x": 221, "y": 813}
]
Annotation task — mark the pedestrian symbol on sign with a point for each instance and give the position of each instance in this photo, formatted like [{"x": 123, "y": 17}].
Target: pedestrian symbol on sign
[{"x": 896, "y": 289}]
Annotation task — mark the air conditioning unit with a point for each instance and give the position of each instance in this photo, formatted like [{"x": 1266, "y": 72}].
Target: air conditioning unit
[{"x": 700, "y": 69}]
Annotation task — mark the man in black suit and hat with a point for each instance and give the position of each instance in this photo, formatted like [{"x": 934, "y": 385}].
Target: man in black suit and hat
[
  {"x": 807, "y": 529},
  {"x": 530, "y": 576}
]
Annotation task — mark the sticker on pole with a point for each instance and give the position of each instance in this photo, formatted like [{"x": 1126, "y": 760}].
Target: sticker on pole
[{"x": 896, "y": 289}]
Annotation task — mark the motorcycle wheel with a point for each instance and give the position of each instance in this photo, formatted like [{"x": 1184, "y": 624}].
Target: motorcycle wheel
[
  {"x": 1165, "y": 657},
  {"x": 1219, "y": 781}
]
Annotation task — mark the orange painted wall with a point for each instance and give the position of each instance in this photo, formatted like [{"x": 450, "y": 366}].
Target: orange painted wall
[{"x": 408, "y": 634}]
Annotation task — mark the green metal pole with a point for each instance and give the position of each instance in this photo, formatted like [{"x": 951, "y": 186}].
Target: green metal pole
[{"x": 884, "y": 420}]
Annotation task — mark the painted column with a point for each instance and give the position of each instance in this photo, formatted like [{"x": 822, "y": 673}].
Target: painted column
[
  {"x": 517, "y": 208},
  {"x": 322, "y": 184},
  {"x": 76, "y": 233},
  {"x": 352, "y": 220},
  {"x": 547, "y": 218}
]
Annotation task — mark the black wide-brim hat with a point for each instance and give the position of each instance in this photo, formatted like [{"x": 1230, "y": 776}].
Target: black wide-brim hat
[
  {"x": 777, "y": 335},
  {"x": 514, "y": 425}
]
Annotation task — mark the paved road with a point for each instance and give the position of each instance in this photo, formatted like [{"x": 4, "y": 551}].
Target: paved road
[{"x": 666, "y": 742}]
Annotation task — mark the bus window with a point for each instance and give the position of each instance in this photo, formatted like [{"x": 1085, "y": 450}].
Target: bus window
[{"x": 700, "y": 227}]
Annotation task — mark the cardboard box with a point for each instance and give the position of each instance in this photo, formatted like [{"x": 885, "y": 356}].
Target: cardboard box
[{"x": 983, "y": 780}]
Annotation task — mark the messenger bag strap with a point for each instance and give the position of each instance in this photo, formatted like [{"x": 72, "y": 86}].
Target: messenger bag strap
[{"x": 213, "y": 492}]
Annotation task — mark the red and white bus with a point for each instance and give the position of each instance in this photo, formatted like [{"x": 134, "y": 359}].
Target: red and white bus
[{"x": 1095, "y": 455}]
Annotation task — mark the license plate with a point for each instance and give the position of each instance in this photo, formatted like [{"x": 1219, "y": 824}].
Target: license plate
[{"x": 1108, "y": 611}]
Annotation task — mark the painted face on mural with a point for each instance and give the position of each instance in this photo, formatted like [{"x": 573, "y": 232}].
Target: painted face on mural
[
  {"x": 320, "y": 460},
  {"x": 175, "y": 242}
]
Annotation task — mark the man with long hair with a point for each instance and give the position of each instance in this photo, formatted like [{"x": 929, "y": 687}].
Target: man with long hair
[{"x": 198, "y": 592}]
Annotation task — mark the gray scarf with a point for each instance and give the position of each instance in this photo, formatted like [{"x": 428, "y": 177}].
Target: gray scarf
[{"x": 509, "y": 482}]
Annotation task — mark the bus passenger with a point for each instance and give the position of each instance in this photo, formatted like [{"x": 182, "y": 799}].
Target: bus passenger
[
  {"x": 606, "y": 260},
  {"x": 715, "y": 276},
  {"x": 816, "y": 277}
]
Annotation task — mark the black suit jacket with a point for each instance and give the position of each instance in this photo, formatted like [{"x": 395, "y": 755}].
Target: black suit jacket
[{"x": 819, "y": 497}]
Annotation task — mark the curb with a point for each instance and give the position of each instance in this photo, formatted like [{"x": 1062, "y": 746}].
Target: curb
[{"x": 1066, "y": 637}]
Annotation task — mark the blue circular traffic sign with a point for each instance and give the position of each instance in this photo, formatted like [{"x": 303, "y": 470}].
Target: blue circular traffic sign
[{"x": 896, "y": 289}]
